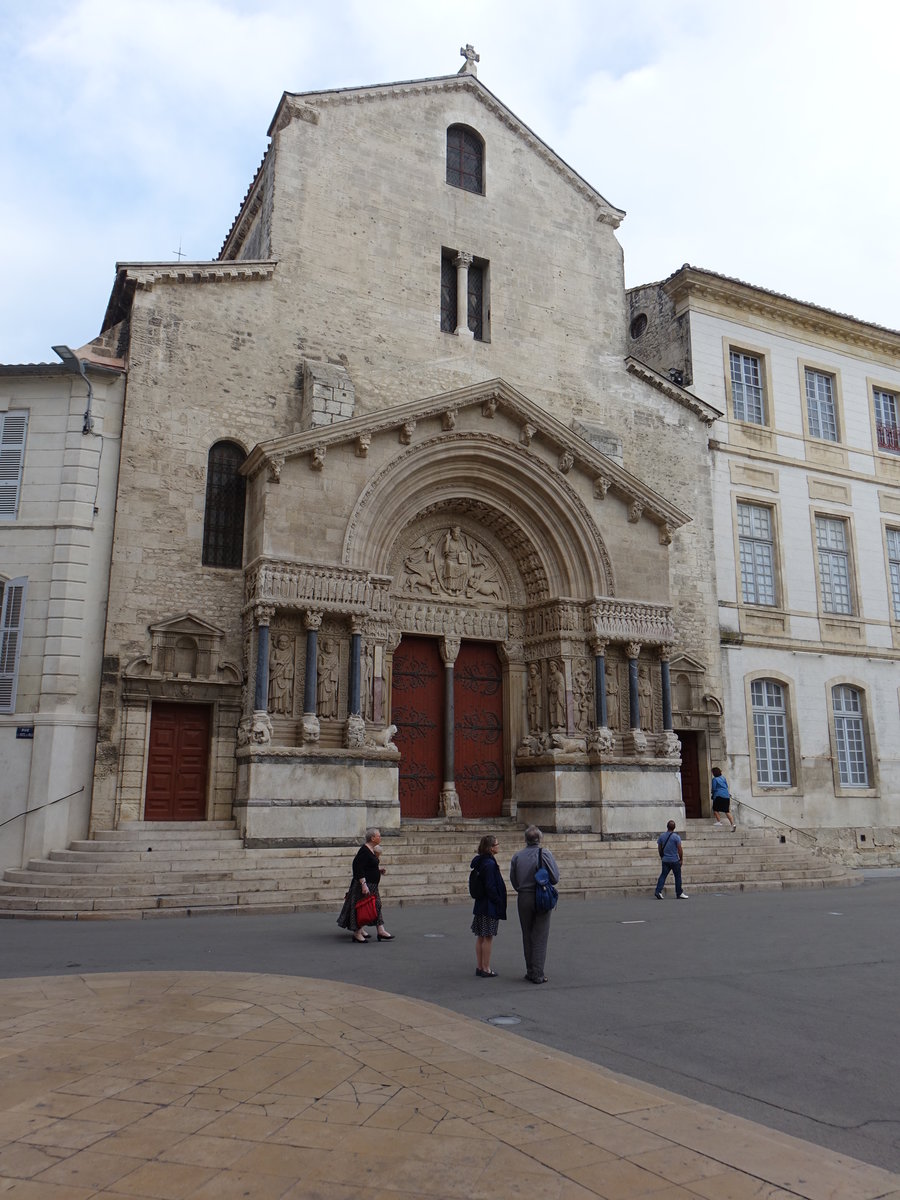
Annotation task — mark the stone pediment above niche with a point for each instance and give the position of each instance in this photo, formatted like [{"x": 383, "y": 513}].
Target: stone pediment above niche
[
  {"x": 185, "y": 647},
  {"x": 446, "y": 561}
]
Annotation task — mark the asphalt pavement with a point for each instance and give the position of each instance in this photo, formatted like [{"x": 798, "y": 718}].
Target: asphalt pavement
[{"x": 779, "y": 1007}]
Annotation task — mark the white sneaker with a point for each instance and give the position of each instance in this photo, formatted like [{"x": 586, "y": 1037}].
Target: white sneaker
[
  {"x": 718, "y": 825},
  {"x": 683, "y": 896}
]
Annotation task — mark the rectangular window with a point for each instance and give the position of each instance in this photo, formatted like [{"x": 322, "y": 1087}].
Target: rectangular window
[
  {"x": 13, "y": 426},
  {"x": 770, "y": 733},
  {"x": 893, "y": 549},
  {"x": 850, "y": 737},
  {"x": 886, "y": 420},
  {"x": 746, "y": 388},
  {"x": 12, "y": 616},
  {"x": 834, "y": 565},
  {"x": 820, "y": 408},
  {"x": 757, "y": 552},
  {"x": 476, "y": 301},
  {"x": 448, "y": 294}
]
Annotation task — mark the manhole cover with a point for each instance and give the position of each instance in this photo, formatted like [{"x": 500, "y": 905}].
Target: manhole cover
[{"x": 503, "y": 1020}]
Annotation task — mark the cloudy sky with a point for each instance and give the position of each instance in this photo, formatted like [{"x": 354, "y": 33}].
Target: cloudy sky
[{"x": 754, "y": 139}]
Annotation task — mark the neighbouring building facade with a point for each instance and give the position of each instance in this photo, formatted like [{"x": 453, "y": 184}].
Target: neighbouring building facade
[
  {"x": 401, "y": 529},
  {"x": 59, "y": 454},
  {"x": 806, "y": 496}
]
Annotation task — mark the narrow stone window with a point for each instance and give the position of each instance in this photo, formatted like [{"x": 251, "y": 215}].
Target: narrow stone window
[
  {"x": 12, "y": 620},
  {"x": 465, "y": 159},
  {"x": 465, "y": 309},
  {"x": 13, "y": 426},
  {"x": 223, "y": 522}
]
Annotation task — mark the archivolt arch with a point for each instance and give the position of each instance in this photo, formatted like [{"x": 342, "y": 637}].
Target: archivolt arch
[{"x": 542, "y": 520}]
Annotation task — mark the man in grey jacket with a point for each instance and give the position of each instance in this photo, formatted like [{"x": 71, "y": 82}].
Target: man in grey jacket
[{"x": 535, "y": 925}]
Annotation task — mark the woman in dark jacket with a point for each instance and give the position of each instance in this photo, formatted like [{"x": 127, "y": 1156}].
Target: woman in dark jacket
[
  {"x": 367, "y": 872},
  {"x": 490, "y": 905}
]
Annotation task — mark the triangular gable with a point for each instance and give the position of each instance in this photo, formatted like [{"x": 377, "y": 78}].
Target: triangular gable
[
  {"x": 492, "y": 395},
  {"x": 304, "y": 106},
  {"x": 684, "y": 662},
  {"x": 188, "y": 624}
]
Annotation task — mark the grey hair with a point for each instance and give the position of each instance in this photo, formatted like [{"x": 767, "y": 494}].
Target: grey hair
[
  {"x": 533, "y": 836},
  {"x": 371, "y": 832}
]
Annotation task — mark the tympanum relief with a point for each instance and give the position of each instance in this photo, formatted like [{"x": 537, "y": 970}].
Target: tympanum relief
[{"x": 452, "y": 565}]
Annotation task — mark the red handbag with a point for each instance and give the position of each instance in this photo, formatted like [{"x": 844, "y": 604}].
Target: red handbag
[{"x": 366, "y": 910}]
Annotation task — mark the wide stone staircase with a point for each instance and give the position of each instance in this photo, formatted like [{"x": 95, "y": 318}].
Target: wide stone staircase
[{"x": 178, "y": 869}]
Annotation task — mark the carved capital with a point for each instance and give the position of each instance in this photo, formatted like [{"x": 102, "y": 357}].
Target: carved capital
[
  {"x": 664, "y": 653},
  {"x": 263, "y": 613},
  {"x": 363, "y": 442},
  {"x": 449, "y": 804},
  {"x": 526, "y": 434},
  {"x": 566, "y": 462},
  {"x": 635, "y": 511},
  {"x": 358, "y": 623},
  {"x": 599, "y": 644},
  {"x": 407, "y": 429},
  {"x": 317, "y": 458},
  {"x": 393, "y": 640},
  {"x": 633, "y": 649},
  {"x": 463, "y": 259},
  {"x": 449, "y": 648},
  {"x": 312, "y": 619}
]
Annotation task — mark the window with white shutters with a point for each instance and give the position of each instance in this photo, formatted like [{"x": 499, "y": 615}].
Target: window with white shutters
[
  {"x": 12, "y": 614},
  {"x": 13, "y": 426}
]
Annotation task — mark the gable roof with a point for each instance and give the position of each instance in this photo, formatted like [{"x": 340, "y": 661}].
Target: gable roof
[{"x": 491, "y": 395}]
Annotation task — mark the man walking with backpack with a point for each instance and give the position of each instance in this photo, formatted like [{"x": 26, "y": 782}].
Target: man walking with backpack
[
  {"x": 534, "y": 919},
  {"x": 669, "y": 846}
]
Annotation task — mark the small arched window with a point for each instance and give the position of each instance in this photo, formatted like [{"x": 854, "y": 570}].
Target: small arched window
[
  {"x": 465, "y": 159},
  {"x": 223, "y": 520}
]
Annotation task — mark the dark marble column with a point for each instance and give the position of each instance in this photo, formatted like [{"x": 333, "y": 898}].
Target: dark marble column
[
  {"x": 666, "y": 689},
  {"x": 263, "y": 614},
  {"x": 600, "y": 715},
  {"x": 355, "y": 709}
]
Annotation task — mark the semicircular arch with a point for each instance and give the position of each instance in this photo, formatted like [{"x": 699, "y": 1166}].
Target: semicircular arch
[{"x": 543, "y": 521}]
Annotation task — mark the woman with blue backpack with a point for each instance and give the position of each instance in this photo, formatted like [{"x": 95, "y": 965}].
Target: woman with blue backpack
[{"x": 488, "y": 890}]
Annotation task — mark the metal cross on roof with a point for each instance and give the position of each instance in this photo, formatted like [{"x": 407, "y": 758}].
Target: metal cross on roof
[{"x": 468, "y": 53}]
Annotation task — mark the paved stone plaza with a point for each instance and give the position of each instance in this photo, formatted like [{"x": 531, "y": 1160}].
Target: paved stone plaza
[{"x": 129, "y": 1072}]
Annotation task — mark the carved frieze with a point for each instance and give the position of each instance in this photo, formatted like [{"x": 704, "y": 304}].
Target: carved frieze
[
  {"x": 443, "y": 620},
  {"x": 299, "y": 585},
  {"x": 620, "y": 620}
]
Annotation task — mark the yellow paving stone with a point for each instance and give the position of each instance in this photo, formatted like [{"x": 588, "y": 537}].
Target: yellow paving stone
[
  {"x": 271, "y": 1104},
  {"x": 165, "y": 1180},
  {"x": 68, "y": 1133},
  {"x": 30, "y": 1189},
  {"x": 243, "y": 1125},
  {"x": 233, "y": 1185},
  {"x": 22, "y": 1161},
  {"x": 204, "y": 1151},
  {"x": 88, "y": 1168},
  {"x": 138, "y": 1143},
  {"x": 678, "y": 1164},
  {"x": 294, "y": 1162},
  {"x": 114, "y": 1113},
  {"x": 92, "y": 1087},
  {"x": 151, "y": 1092},
  {"x": 735, "y": 1185},
  {"x": 618, "y": 1179},
  {"x": 566, "y": 1151}
]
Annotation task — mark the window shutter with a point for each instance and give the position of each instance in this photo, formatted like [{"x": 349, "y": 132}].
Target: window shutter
[
  {"x": 12, "y": 456},
  {"x": 11, "y": 623}
]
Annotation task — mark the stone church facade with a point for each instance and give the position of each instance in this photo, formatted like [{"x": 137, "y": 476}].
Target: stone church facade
[{"x": 401, "y": 529}]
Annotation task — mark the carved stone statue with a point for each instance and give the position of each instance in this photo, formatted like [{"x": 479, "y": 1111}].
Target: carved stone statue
[
  {"x": 281, "y": 676},
  {"x": 556, "y": 696},
  {"x": 645, "y": 698},
  {"x": 581, "y": 686},
  {"x": 534, "y": 699},
  {"x": 418, "y": 566},
  {"x": 368, "y": 676},
  {"x": 613, "y": 710},
  {"x": 327, "y": 682},
  {"x": 454, "y": 562}
]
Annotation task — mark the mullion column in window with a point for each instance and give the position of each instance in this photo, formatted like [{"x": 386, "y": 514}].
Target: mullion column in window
[{"x": 462, "y": 262}]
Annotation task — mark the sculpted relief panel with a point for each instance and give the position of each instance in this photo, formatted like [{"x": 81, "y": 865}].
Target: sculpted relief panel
[{"x": 451, "y": 565}]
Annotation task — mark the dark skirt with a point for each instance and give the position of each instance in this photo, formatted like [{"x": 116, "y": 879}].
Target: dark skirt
[
  {"x": 347, "y": 916},
  {"x": 722, "y": 804},
  {"x": 485, "y": 926}
]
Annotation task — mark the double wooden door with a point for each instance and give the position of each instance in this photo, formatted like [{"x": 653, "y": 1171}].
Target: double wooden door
[
  {"x": 690, "y": 774},
  {"x": 418, "y": 711},
  {"x": 177, "y": 763}
]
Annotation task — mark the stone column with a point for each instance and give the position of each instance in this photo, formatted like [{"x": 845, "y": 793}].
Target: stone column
[
  {"x": 599, "y": 645},
  {"x": 260, "y": 724},
  {"x": 355, "y": 730},
  {"x": 313, "y": 622},
  {"x": 462, "y": 262},
  {"x": 449, "y": 796},
  {"x": 669, "y": 745}
]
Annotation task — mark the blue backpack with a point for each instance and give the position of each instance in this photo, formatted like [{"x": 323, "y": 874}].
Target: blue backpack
[{"x": 545, "y": 894}]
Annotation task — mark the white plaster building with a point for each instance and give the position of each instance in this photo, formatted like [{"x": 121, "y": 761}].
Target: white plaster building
[
  {"x": 806, "y": 481},
  {"x": 59, "y": 456}
]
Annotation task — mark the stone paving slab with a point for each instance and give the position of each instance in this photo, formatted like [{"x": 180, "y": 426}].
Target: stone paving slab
[{"x": 182, "y": 1085}]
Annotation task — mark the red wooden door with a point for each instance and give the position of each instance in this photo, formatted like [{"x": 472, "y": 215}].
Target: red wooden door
[
  {"x": 417, "y": 709},
  {"x": 478, "y": 732},
  {"x": 690, "y": 774},
  {"x": 177, "y": 763}
]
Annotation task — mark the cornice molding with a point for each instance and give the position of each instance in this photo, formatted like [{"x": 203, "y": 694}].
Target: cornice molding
[
  {"x": 680, "y": 395},
  {"x": 691, "y": 287},
  {"x": 146, "y": 275}
]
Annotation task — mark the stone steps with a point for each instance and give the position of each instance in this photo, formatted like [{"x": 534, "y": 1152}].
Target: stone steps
[{"x": 144, "y": 870}]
